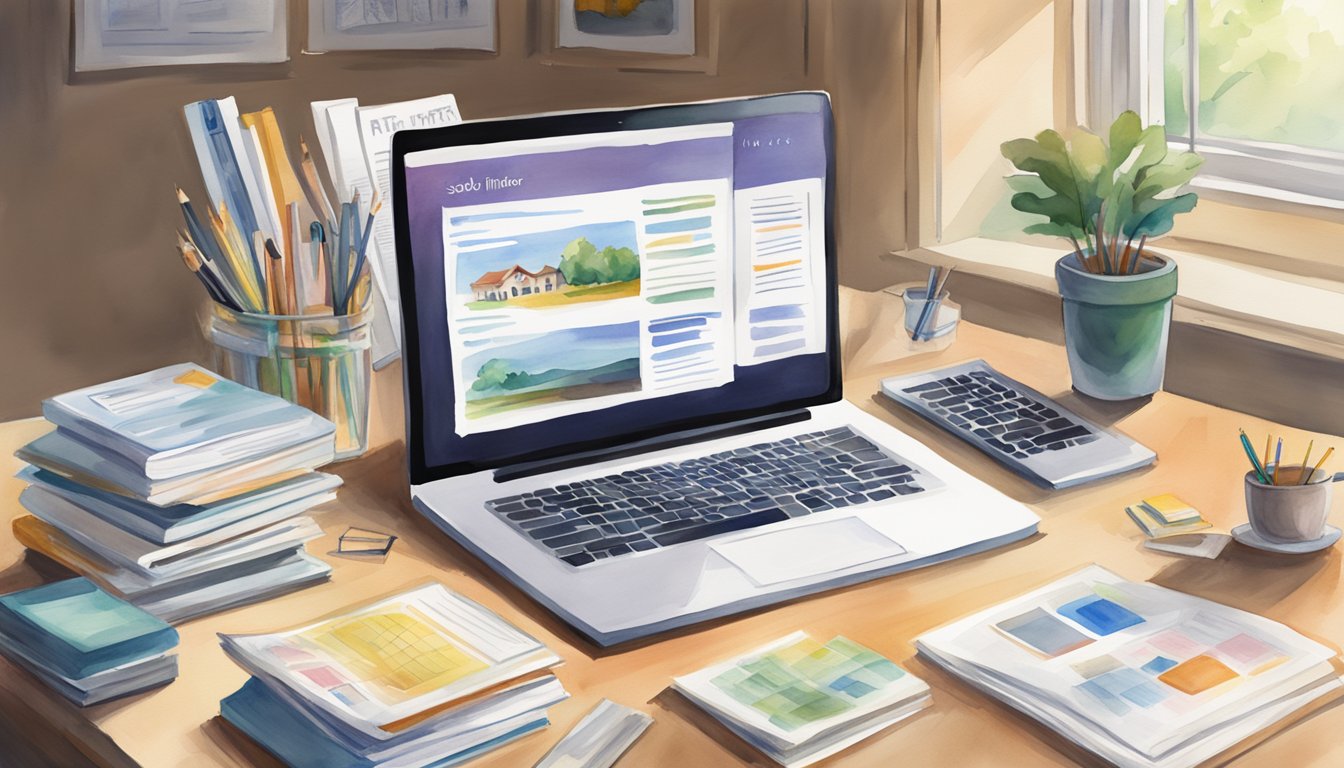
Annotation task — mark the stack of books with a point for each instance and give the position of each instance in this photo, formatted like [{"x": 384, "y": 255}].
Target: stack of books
[
  {"x": 178, "y": 490},
  {"x": 426, "y": 678},
  {"x": 798, "y": 700},
  {"x": 85, "y": 644},
  {"x": 1138, "y": 674}
]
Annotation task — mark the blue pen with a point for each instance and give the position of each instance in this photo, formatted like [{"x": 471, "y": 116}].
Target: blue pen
[
  {"x": 1278, "y": 453},
  {"x": 1255, "y": 461},
  {"x": 929, "y": 304}
]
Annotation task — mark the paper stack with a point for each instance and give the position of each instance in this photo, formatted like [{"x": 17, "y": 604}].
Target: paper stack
[
  {"x": 426, "y": 678},
  {"x": 84, "y": 643},
  {"x": 178, "y": 490},
  {"x": 1139, "y": 674},
  {"x": 799, "y": 701}
]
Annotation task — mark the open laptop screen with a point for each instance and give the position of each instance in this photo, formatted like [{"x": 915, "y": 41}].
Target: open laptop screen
[{"x": 580, "y": 280}]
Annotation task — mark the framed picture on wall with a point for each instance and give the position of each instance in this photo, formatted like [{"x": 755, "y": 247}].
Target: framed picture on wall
[
  {"x": 631, "y": 34},
  {"x": 638, "y": 26},
  {"x": 349, "y": 25},
  {"x": 116, "y": 34}
]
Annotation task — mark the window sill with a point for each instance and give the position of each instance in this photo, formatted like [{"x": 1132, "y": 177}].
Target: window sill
[{"x": 1213, "y": 293}]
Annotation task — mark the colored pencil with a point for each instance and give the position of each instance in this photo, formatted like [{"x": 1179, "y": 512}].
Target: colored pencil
[
  {"x": 1305, "y": 461},
  {"x": 1321, "y": 463}
]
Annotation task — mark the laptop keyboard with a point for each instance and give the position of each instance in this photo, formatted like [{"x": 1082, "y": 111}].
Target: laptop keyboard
[
  {"x": 667, "y": 504},
  {"x": 1006, "y": 419}
]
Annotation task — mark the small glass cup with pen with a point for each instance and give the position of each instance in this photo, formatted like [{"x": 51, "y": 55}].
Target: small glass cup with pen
[
  {"x": 929, "y": 314},
  {"x": 294, "y": 323}
]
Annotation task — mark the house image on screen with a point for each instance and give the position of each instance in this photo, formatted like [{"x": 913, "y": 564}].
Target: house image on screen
[{"x": 504, "y": 284}]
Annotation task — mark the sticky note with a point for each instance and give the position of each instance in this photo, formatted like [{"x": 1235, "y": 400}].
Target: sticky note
[
  {"x": 1099, "y": 615},
  {"x": 195, "y": 379},
  {"x": 1043, "y": 633},
  {"x": 1158, "y": 665},
  {"x": 1169, "y": 509},
  {"x": 1197, "y": 675}
]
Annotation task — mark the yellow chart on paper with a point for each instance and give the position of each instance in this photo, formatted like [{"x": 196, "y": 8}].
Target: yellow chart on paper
[{"x": 399, "y": 652}]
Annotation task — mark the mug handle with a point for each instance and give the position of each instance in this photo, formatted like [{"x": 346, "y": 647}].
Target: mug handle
[{"x": 1338, "y": 477}]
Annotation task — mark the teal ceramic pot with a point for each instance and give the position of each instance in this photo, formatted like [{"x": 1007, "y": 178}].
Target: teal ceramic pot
[{"x": 1115, "y": 327}]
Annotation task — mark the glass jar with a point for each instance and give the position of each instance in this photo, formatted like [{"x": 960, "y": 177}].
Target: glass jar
[{"x": 321, "y": 362}]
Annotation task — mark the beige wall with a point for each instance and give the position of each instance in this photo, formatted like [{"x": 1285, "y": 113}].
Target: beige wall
[
  {"x": 90, "y": 285},
  {"x": 1014, "y": 67}
]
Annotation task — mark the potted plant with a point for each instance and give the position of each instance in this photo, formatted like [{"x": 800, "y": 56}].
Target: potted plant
[{"x": 1108, "y": 197}]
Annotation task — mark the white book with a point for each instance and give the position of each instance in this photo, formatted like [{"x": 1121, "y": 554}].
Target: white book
[
  {"x": 1141, "y": 674},
  {"x": 470, "y": 649},
  {"x": 71, "y": 457},
  {"x": 294, "y": 571},
  {"x": 799, "y": 700},
  {"x": 156, "y": 562},
  {"x": 179, "y": 522},
  {"x": 183, "y": 419}
]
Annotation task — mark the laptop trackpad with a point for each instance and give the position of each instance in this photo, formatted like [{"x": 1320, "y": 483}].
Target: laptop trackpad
[{"x": 807, "y": 550}]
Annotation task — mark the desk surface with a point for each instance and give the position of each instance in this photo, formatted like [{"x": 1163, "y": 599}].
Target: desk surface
[{"x": 1200, "y": 460}]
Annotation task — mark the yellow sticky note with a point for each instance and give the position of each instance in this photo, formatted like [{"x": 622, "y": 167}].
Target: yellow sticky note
[
  {"x": 195, "y": 379},
  {"x": 1171, "y": 509}
]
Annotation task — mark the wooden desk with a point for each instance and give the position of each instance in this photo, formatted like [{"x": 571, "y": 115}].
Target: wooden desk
[{"x": 1200, "y": 460}]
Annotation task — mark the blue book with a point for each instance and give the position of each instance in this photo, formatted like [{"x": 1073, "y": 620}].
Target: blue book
[
  {"x": 76, "y": 629},
  {"x": 183, "y": 419},
  {"x": 289, "y": 735}
]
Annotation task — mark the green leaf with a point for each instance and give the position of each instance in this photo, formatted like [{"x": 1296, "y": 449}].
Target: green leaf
[{"x": 1161, "y": 216}]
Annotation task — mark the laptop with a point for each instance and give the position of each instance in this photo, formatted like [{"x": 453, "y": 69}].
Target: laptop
[{"x": 622, "y": 368}]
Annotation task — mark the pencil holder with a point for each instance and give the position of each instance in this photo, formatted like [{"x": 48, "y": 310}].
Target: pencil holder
[
  {"x": 321, "y": 362},
  {"x": 940, "y": 320}
]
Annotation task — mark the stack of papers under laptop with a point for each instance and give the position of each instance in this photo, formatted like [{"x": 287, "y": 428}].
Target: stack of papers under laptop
[
  {"x": 798, "y": 700},
  {"x": 426, "y": 678},
  {"x": 1139, "y": 674},
  {"x": 85, "y": 644},
  {"x": 179, "y": 490}
]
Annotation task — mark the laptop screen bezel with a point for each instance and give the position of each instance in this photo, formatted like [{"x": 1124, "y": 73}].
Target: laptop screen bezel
[{"x": 589, "y": 122}]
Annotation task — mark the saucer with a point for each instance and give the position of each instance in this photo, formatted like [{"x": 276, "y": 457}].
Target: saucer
[{"x": 1250, "y": 538}]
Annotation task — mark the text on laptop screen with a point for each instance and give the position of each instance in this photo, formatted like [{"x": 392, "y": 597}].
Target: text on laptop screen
[{"x": 583, "y": 285}]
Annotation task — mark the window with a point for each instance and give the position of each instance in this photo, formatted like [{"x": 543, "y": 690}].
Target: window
[{"x": 1255, "y": 86}]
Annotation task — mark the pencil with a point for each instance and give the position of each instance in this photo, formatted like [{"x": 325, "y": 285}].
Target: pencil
[
  {"x": 1305, "y": 460},
  {"x": 1268, "y": 439},
  {"x": 317, "y": 194},
  {"x": 259, "y": 242},
  {"x": 1328, "y": 451}
]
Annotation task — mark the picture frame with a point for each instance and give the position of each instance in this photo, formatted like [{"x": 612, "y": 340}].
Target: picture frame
[
  {"x": 354, "y": 25},
  {"x": 690, "y": 45},
  {"x": 122, "y": 34}
]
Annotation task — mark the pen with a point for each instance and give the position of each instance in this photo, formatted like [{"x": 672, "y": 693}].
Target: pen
[
  {"x": 1255, "y": 461},
  {"x": 1278, "y": 455}
]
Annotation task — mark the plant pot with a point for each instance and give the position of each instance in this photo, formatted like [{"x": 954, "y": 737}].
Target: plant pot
[{"x": 1115, "y": 327}]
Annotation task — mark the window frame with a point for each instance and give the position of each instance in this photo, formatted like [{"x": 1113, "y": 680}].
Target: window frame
[{"x": 1125, "y": 71}]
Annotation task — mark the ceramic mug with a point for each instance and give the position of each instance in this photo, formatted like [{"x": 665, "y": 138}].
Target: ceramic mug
[{"x": 1292, "y": 511}]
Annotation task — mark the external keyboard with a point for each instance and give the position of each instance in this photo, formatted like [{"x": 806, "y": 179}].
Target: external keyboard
[
  {"x": 995, "y": 409},
  {"x": 659, "y": 506},
  {"x": 1016, "y": 425}
]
